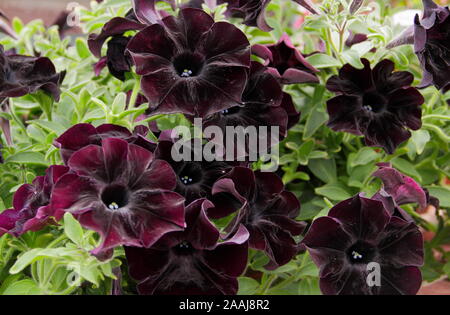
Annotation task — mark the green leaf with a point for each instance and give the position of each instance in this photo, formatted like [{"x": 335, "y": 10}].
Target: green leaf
[
  {"x": 37, "y": 254},
  {"x": 419, "y": 139},
  {"x": 334, "y": 191},
  {"x": 304, "y": 151},
  {"x": 82, "y": 48},
  {"x": 27, "y": 158},
  {"x": 324, "y": 169},
  {"x": 73, "y": 229},
  {"x": 23, "y": 287},
  {"x": 247, "y": 286},
  {"x": 320, "y": 61},
  {"x": 364, "y": 157},
  {"x": 442, "y": 193},
  {"x": 353, "y": 58},
  {"x": 309, "y": 286}
]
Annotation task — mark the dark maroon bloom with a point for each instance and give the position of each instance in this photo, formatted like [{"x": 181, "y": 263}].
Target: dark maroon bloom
[
  {"x": 21, "y": 75},
  {"x": 31, "y": 210},
  {"x": 117, "y": 61},
  {"x": 285, "y": 62},
  {"x": 399, "y": 189},
  {"x": 357, "y": 232},
  {"x": 355, "y": 38},
  {"x": 82, "y": 135},
  {"x": 264, "y": 208},
  {"x": 191, "y": 262},
  {"x": 252, "y": 11},
  {"x": 120, "y": 191},
  {"x": 195, "y": 178},
  {"x": 263, "y": 104},
  {"x": 432, "y": 45},
  {"x": 377, "y": 103},
  {"x": 190, "y": 64}
]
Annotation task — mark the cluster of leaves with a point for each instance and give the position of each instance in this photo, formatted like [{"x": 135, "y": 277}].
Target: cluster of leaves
[{"x": 320, "y": 166}]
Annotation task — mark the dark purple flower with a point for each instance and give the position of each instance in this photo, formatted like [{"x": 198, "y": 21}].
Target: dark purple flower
[
  {"x": 191, "y": 262},
  {"x": 399, "y": 189},
  {"x": 432, "y": 45},
  {"x": 264, "y": 208},
  {"x": 190, "y": 64},
  {"x": 357, "y": 232},
  {"x": 120, "y": 191},
  {"x": 82, "y": 135},
  {"x": 285, "y": 62},
  {"x": 21, "y": 75},
  {"x": 195, "y": 178},
  {"x": 355, "y": 38},
  {"x": 263, "y": 104},
  {"x": 252, "y": 11},
  {"x": 117, "y": 61},
  {"x": 31, "y": 210},
  {"x": 377, "y": 103}
]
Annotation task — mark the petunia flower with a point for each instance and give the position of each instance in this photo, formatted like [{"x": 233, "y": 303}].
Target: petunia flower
[
  {"x": 31, "y": 210},
  {"x": 263, "y": 104},
  {"x": 195, "y": 177},
  {"x": 190, "y": 64},
  {"x": 308, "y": 5},
  {"x": 82, "y": 135},
  {"x": 286, "y": 62},
  {"x": 117, "y": 61},
  {"x": 253, "y": 12},
  {"x": 120, "y": 191},
  {"x": 191, "y": 262},
  {"x": 360, "y": 249},
  {"x": 264, "y": 208},
  {"x": 21, "y": 75},
  {"x": 377, "y": 103},
  {"x": 432, "y": 45},
  {"x": 399, "y": 189}
]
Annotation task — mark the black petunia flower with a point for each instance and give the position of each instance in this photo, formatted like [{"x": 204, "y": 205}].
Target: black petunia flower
[
  {"x": 432, "y": 45},
  {"x": 359, "y": 237},
  {"x": 285, "y": 62},
  {"x": 264, "y": 208},
  {"x": 195, "y": 178},
  {"x": 399, "y": 189},
  {"x": 190, "y": 64},
  {"x": 120, "y": 191},
  {"x": 377, "y": 103},
  {"x": 21, "y": 75},
  {"x": 263, "y": 104},
  {"x": 31, "y": 210},
  {"x": 191, "y": 262},
  {"x": 117, "y": 61},
  {"x": 82, "y": 135},
  {"x": 253, "y": 12}
]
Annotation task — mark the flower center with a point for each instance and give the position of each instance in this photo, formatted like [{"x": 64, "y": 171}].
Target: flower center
[
  {"x": 184, "y": 248},
  {"x": 188, "y": 65},
  {"x": 231, "y": 111},
  {"x": 115, "y": 197},
  {"x": 190, "y": 174},
  {"x": 361, "y": 253},
  {"x": 374, "y": 102}
]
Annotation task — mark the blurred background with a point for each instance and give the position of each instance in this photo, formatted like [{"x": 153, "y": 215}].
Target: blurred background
[{"x": 49, "y": 10}]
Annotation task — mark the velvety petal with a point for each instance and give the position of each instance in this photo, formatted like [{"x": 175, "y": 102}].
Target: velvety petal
[
  {"x": 404, "y": 281},
  {"x": 402, "y": 188},
  {"x": 89, "y": 161},
  {"x": 116, "y": 26},
  {"x": 362, "y": 217},
  {"x": 343, "y": 111},
  {"x": 8, "y": 219},
  {"x": 230, "y": 256},
  {"x": 406, "y": 103},
  {"x": 402, "y": 244},
  {"x": 327, "y": 232},
  {"x": 73, "y": 139}
]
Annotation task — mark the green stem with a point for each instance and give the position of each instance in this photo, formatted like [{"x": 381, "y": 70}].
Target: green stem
[
  {"x": 135, "y": 92},
  {"x": 438, "y": 131},
  {"x": 433, "y": 116}
]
